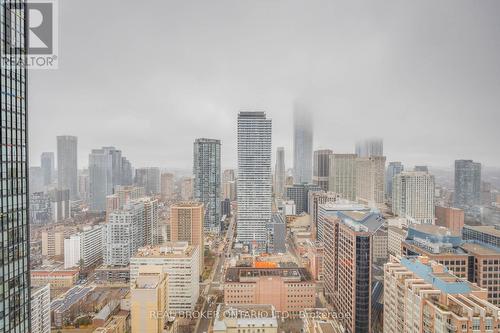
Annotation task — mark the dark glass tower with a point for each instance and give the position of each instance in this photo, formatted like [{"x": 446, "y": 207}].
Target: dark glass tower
[{"x": 14, "y": 233}]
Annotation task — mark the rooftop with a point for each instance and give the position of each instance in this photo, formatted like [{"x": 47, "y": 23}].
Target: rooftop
[
  {"x": 71, "y": 297},
  {"x": 236, "y": 274},
  {"x": 481, "y": 249},
  {"x": 167, "y": 250},
  {"x": 437, "y": 275},
  {"x": 488, "y": 229}
]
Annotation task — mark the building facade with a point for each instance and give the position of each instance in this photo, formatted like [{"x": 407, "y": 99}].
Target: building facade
[
  {"x": 123, "y": 234},
  {"x": 347, "y": 270},
  {"x": 149, "y": 300},
  {"x": 186, "y": 224},
  {"x": 149, "y": 178},
  {"x": 425, "y": 296},
  {"x": 370, "y": 147},
  {"x": 254, "y": 186},
  {"x": 180, "y": 262},
  {"x": 413, "y": 196},
  {"x": 370, "y": 180},
  {"x": 40, "y": 309},
  {"x": 321, "y": 168},
  {"x": 207, "y": 180},
  {"x": 287, "y": 289},
  {"x": 343, "y": 175}
]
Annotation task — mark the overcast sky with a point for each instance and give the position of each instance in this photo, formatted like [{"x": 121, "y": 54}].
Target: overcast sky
[{"x": 151, "y": 76}]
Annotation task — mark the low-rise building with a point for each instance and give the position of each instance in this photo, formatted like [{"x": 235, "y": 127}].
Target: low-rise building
[
  {"x": 245, "y": 318},
  {"x": 287, "y": 289}
]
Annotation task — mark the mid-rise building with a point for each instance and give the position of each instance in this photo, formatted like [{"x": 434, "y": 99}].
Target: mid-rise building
[
  {"x": 180, "y": 262},
  {"x": 251, "y": 318},
  {"x": 451, "y": 218},
  {"x": 279, "y": 173},
  {"x": 343, "y": 175},
  {"x": 302, "y": 145},
  {"x": 128, "y": 193},
  {"x": 149, "y": 178},
  {"x": 395, "y": 237},
  {"x": 467, "y": 184},
  {"x": 59, "y": 204},
  {"x": 289, "y": 290},
  {"x": 84, "y": 249},
  {"x": 425, "y": 296},
  {"x": 149, "y": 300},
  {"x": 489, "y": 235},
  {"x": 413, "y": 196},
  {"x": 123, "y": 234},
  {"x": 254, "y": 186},
  {"x": 40, "y": 208},
  {"x": 332, "y": 208},
  {"x": 321, "y": 168},
  {"x": 485, "y": 270},
  {"x": 370, "y": 180},
  {"x": 53, "y": 242},
  {"x": 186, "y": 224},
  {"x": 276, "y": 242},
  {"x": 40, "y": 309},
  {"x": 299, "y": 193},
  {"x": 152, "y": 230},
  {"x": 438, "y": 244},
  {"x": 393, "y": 169},
  {"x": 314, "y": 200},
  {"x": 348, "y": 239},
  {"x": 207, "y": 180},
  {"x": 67, "y": 164}
]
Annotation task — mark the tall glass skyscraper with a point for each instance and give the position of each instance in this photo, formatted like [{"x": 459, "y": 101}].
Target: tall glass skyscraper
[
  {"x": 14, "y": 235},
  {"x": 370, "y": 147},
  {"x": 302, "y": 146},
  {"x": 67, "y": 164},
  {"x": 207, "y": 180},
  {"x": 254, "y": 186},
  {"x": 467, "y": 184}
]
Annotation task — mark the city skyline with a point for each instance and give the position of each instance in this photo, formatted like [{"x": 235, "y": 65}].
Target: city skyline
[{"x": 384, "y": 72}]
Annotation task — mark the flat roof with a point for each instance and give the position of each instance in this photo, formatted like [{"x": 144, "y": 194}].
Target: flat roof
[
  {"x": 444, "y": 281},
  {"x": 488, "y": 229},
  {"x": 481, "y": 249},
  {"x": 234, "y": 274}
]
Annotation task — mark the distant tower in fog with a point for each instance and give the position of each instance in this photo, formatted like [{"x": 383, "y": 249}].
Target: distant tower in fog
[
  {"x": 67, "y": 164},
  {"x": 279, "y": 173},
  {"x": 302, "y": 145},
  {"x": 393, "y": 169},
  {"x": 467, "y": 184},
  {"x": 48, "y": 167},
  {"x": 370, "y": 147}
]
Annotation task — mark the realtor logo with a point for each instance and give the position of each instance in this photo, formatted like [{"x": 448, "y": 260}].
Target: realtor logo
[{"x": 40, "y": 19}]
